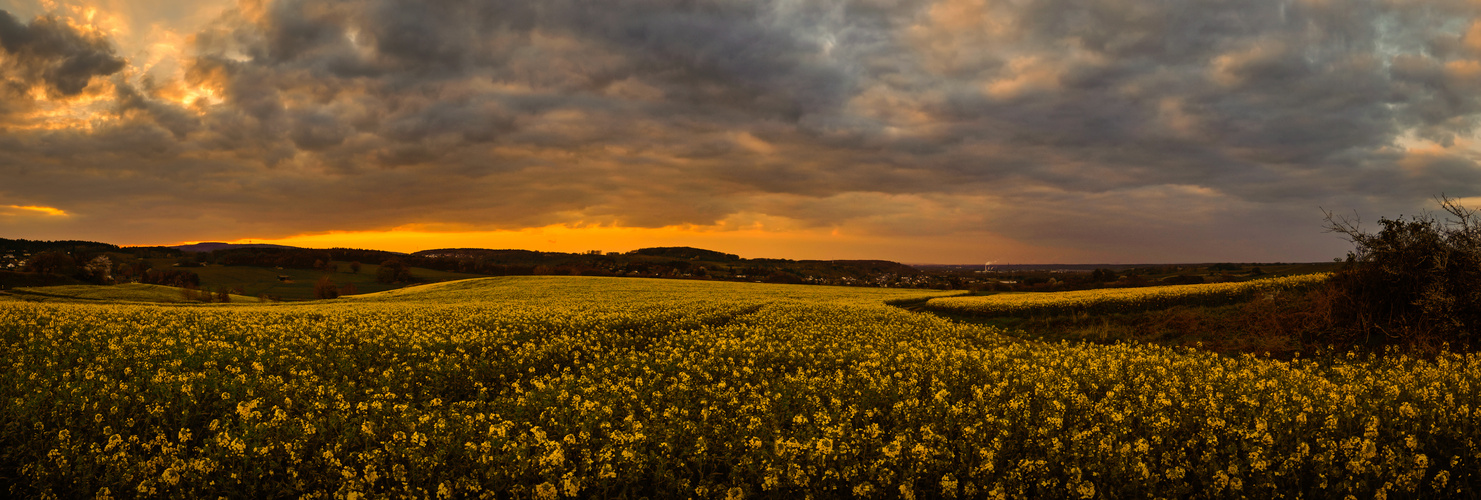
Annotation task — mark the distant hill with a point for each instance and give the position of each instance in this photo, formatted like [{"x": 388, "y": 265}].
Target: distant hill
[
  {"x": 211, "y": 246},
  {"x": 871, "y": 266},
  {"x": 690, "y": 253},
  {"x": 290, "y": 272},
  {"x": 474, "y": 253}
]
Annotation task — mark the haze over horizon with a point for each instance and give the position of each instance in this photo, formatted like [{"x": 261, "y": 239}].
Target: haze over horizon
[{"x": 948, "y": 131}]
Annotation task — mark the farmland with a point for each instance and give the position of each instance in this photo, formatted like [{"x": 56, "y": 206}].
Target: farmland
[
  {"x": 551, "y": 387},
  {"x": 128, "y": 292},
  {"x": 1111, "y": 300},
  {"x": 298, "y": 283}
]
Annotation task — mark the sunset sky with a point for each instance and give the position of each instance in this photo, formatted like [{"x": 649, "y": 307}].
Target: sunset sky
[{"x": 952, "y": 131}]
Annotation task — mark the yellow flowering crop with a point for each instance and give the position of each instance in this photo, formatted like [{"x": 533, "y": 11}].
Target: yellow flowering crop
[
  {"x": 1113, "y": 300},
  {"x": 568, "y": 387}
]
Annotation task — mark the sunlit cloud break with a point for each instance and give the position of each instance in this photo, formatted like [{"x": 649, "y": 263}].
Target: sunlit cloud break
[{"x": 24, "y": 209}]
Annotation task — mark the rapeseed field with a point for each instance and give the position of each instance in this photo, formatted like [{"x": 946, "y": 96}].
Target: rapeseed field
[
  {"x": 546, "y": 387},
  {"x": 1120, "y": 300}
]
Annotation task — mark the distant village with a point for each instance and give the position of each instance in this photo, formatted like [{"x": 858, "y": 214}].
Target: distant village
[{"x": 12, "y": 260}]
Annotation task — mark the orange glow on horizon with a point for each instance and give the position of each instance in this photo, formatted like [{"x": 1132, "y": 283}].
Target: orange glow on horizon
[{"x": 820, "y": 243}]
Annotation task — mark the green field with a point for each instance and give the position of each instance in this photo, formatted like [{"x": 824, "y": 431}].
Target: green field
[
  {"x": 1120, "y": 300},
  {"x": 128, "y": 292},
  {"x": 553, "y": 387},
  {"x": 259, "y": 281}
]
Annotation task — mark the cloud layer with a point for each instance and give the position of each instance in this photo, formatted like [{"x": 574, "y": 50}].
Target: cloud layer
[
  {"x": 49, "y": 53},
  {"x": 1123, "y": 130}
]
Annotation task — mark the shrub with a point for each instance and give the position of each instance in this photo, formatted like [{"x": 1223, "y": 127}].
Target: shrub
[
  {"x": 326, "y": 289},
  {"x": 392, "y": 271},
  {"x": 1183, "y": 279},
  {"x": 1416, "y": 282}
]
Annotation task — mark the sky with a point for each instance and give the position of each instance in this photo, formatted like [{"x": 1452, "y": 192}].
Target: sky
[{"x": 950, "y": 131}]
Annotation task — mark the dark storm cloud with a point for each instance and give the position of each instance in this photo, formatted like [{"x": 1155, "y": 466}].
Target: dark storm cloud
[
  {"x": 1261, "y": 83},
  {"x": 754, "y": 54},
  {"x": 48, "y": 50},
  {"x": 1037, "y": 120}
]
